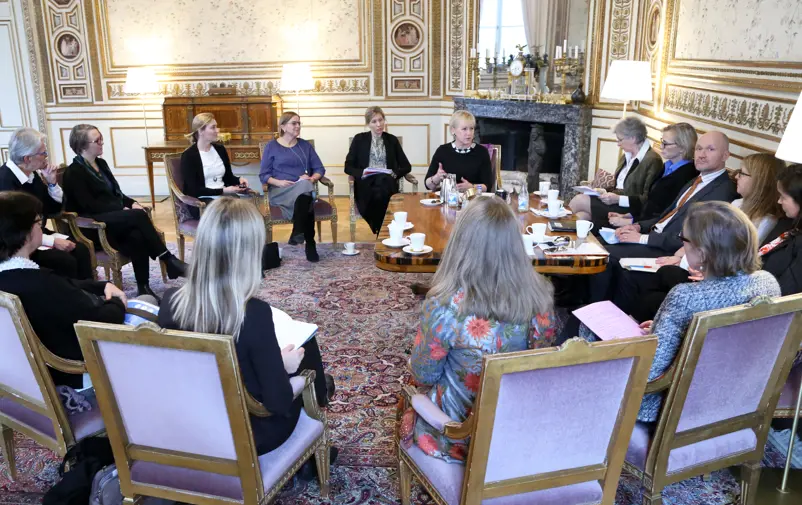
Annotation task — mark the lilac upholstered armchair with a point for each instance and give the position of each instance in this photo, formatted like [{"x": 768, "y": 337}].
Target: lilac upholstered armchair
[
  {"x": 29, "y": 402},
  {"x": 178, "y": 417},
  {"x": 185, "y": 223},
  {"x": 549, "y": 426},
  {"x": 720, "y": 395},
  {"x": 495, "y": 163}
]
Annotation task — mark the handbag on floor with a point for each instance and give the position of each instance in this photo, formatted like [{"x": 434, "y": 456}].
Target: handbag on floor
[
  {"x": 106, "y": 487},
  {"x": 83, "y": 461},
  {"x": 270, "y": 256}
]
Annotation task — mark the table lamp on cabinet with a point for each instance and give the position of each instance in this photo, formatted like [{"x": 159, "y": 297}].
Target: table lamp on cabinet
[
  {"x": 141, "y": 81},
  {"x": 790, "y": 148},
  {"x": 628, "y": 80},
  {"x": 297, "y": 77}
]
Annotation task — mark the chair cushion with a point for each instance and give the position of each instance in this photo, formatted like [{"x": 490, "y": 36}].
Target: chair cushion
[
  {"x": 791, "y": 389},
  {"x": 189, "y": 227},
  {"x": 273, "y": 465},
  {"x": 28, "y": 417},
  {"x": 690, "y": 455},
  {"x": 323, "y": 208},
  {"x": 447, "y": 480}
]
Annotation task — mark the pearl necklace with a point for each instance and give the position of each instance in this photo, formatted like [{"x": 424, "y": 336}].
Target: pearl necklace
[{"x": 461, "y": 150}]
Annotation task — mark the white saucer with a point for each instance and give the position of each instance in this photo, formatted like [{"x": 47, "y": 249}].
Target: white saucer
[
  {"x": 426, "y": 250},
  {"x": 404, "y": 242},
  {"x": 432, "y": 202},
  {"x": 351, "y": 253}
]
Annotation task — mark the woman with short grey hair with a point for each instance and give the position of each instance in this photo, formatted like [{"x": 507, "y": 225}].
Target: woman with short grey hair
[{"x": 638, "y": 168}]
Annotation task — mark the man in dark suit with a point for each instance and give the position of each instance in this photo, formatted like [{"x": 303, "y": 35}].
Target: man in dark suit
[
  {"x": 661, "y": 236},
  {"x": 27, "y": 155}
]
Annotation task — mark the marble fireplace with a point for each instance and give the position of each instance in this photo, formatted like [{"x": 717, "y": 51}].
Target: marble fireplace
[{"x": 559, "y": 136}]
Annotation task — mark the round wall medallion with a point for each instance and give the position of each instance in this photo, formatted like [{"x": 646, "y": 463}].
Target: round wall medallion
[
  {"x": 407, "y": 36},
  {"x": 68, "y": 46}
]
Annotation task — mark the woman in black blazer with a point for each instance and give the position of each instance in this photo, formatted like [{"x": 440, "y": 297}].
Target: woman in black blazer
[
  {"x": 52, "y": 303},
  {"x": 226, "y": 275},
  {"x": 91, "y": 190},
  {"x": 205, "y": 166},
  {"x": 375, "y": 149},
  {"x": 782, "y": 250}
]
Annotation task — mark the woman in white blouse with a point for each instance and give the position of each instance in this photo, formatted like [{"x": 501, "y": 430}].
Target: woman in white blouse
[{"x": 205, "y": 167}]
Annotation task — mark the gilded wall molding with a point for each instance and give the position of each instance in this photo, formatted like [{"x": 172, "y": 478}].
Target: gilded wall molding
[
  {"x": 33, "y": 62},
  {"x": 456, "y": 45},
  {"x": 436, "y": 46},
  {"x": 265, "y": 87},
  {"x": 620, "y": 29}
]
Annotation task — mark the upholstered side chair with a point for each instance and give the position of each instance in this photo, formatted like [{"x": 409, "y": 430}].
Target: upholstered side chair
[
  {"x": 548, "y": 426},
  {"x": 88, "y": 231},
  {"x": 325, "y": 210},
  {"x": 353, "y": 213},
  {"x": 182, "y": 430},
  {"x": 495, "y": 164},
  {"x": 29, "y": 402},
  {"x": 720, "y": 395},
  {"x": 185, "y": 223}
]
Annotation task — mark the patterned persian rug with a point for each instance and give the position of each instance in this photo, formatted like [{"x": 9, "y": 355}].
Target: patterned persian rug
[{"x": 367, "y": 319}]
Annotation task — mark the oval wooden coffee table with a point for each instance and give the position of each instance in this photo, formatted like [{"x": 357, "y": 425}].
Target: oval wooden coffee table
[{"x": 437, "y": 222}]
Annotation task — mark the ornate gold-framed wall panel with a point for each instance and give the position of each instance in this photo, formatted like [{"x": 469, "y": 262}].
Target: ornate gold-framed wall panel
[{"x": 408, "y": 33}]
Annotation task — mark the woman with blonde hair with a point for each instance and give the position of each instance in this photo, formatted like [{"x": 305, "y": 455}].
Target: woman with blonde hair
[
  {"x": 376, "y": 161},
  {"x": 220, "y": 297},
  {"x": 756, "y": 182},
  {"x": 205, "y": 166},
  {"x": 469, "y": 161},
  {"x": 485, "y": 298},
  {"x": 291, "y": 167}
]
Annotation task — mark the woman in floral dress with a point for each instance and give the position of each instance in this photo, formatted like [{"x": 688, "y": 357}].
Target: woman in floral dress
[{"x": 485, "y": 299}]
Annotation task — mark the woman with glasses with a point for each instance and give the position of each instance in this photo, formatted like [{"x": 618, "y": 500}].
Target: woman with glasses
[
  {"x": 677, "y": 150},
  {"x": 638, "y": 168},
  {"x": 90, "y": 190},
  {"x": 291, "y": 167},
  {"x": 721, "y": 244}
]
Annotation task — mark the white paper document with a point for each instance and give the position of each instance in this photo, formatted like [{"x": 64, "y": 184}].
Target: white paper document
[
  {"x": 289, "y": 331},
  {"x": 608, "y": 321},
  {"x": 648, "y": 265},
  {"x": 586, "y": 190}
]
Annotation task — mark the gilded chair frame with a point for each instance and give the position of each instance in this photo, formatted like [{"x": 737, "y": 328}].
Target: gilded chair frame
[
  {"x": 270, "y": 222},
  {"x": 177, "y": 194},
  {"x": 70, "y": 223},
  {"x": 479, "y": 424},
  {"x": 353, "y": 212},
  {"x": 790, "y": 411},
  {"x": 677, "y": 381},
  {"x": 495, "y": 160},
  {"x": 40, "y": 358},
  {"x": 239, "y": 404}
]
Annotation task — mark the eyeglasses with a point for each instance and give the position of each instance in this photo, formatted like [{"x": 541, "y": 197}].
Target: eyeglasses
[
  {"x": 665, "y": 144},
  {"x": 98, "y": 141},
  {"x": 684, "y": 238},
  {"x": 740, "y": 172}
]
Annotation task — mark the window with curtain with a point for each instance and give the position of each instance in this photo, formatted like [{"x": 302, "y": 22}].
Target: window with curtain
[{"x": 501, "y": 27}]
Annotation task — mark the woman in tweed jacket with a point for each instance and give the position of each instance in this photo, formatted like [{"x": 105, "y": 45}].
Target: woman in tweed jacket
[{"x": 721, "y": 243}]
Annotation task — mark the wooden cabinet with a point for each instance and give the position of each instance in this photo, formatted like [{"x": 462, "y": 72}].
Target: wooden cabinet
[{"x": 246, "y": 118}]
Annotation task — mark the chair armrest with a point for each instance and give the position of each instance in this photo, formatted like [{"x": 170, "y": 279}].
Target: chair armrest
[
  {"x": 661, "y": 383},
  {"x": 430, "y": 412},
  {"x": 327, "y": 182},
  {"x": 298, "y": 383},
  {"x": 254, "y": 407},
  {"x": 89, "y": 223},
  {"x": 61, "y": 364},
  {"x": 191, "y": 201},
  {"x": 414, "y": 181},
  {"x": 311, "y": 405}
]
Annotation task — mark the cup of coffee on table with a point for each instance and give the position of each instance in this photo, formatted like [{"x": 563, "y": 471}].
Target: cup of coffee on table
[
  {"x": 400, "y": 218},
  {"x": 537, "y": 231},
  {"x": 350, "y": 247},
  {"x": 416, "y": 241},
  {"x": 554, "y": 194},
  {"x": 544, "y": 188},
  {"x": 583, "y": 227},
  {"x": 555, "y": 207},
  {"x": 396, "y": 232}
]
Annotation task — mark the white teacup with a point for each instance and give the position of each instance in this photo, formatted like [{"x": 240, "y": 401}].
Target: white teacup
[
  {"x": 416, "y": 241},
  {"x": 554, "y": 194},
  {"x": 350, "y": 247},
  {"x": 396, "y": 232},
  {"x": 555, "y": 207},
  {"x": 537, "y": 231},
  {"x": 400, "y": 218},
  {"x": 583, "y": 227},
  {"x": 544, "y": 188},
  {"x": 529, "y": 243}
]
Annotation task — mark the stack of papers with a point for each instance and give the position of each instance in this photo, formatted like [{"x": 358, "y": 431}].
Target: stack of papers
[
  {"x": 648, "y": 265},
  {"x": 586, "y": 190},
  {"x": 373, "y": 171},
  {"x": 584, "y": 249},
  {"x": 289, "y": 331},
  {"x": 608, "y": 321}
]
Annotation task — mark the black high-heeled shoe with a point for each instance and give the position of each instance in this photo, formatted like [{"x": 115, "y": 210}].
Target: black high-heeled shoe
[
  {"x": 311, "y": 252},
  {"x": 175, "y": 267},
  {"x": 144, "y": 289}
]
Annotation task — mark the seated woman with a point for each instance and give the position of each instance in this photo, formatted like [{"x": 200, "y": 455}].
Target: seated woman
[
  {"x": 721, "y": 243},
  {"x": 464, "y": 158},
  {"x": 52, "y": 303},
  {"x": 638, "y": 169},
  {"x": 380, "y": 150},
  {"x": 782, "y": 249},
  {"x": 205, "y": 166},
  {"x": 290, "y": 166},
  {"x": 91, "y": 190},
  {"x": 678, "y": 146},
  {"x": 640, "y": 294},
  {"x": 220, "y": 297},
  {"x": 485, "y": 299}
]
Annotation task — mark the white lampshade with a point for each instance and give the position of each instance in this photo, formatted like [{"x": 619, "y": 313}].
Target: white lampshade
[
  {"x": 296, "y": 77},
  {"x": 140, "y": 80},
  {"x": 628, "y": 80},
  {"x": 790, "y": 148}
]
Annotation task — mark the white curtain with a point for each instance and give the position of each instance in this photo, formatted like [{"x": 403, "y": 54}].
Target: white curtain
[{"x": 536, "y": 24}]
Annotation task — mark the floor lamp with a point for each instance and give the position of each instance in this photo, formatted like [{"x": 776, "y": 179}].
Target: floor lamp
[
  {"x": 628, "y": 80},
  {"x": 784, "y": 486},
  {"x": 141, "y": 81},
  {"x": 296, "y": 77}
]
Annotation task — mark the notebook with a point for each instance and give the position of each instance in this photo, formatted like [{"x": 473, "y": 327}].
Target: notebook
[
  {"x": 648, "y": 265},
  {"x": 608, "y": 321},
  {"x": 586, "y": 190},
  {"x": 289, "y": 331}
]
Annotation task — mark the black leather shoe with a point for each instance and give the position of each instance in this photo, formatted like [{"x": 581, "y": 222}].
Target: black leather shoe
[
  {"x": 175, "y": 267},
  {"x": 329, "y": 387},
  {"x": 311, "y": 252},
  {"x": 296, "y": 239},
  {"x": 308, "y": 471},
  {"x": 144, "y": 289}
]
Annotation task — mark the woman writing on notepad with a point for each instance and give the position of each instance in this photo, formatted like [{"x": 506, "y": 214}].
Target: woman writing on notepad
[
  {"x": 220, "y": 297},
  {"x": 721, "y": 243}
]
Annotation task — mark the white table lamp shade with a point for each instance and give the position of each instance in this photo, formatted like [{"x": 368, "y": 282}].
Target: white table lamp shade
[
  {"x": 790, "y": 148},
  {"x": 628, "y": 80},
  {"x": 140, "y": 80},
  {"x": 296, "y": 77}
]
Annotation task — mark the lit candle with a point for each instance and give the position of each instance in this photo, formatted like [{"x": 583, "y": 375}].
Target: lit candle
[
  {"x": 576, "y": 51},
  {"x": 487, "y": 53},
  {"x": 565, "y": 45},
  {"x": 473, "y": 52},
  {"x": 582, "y": 46},
  {"x": 558, "y": 53}
]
